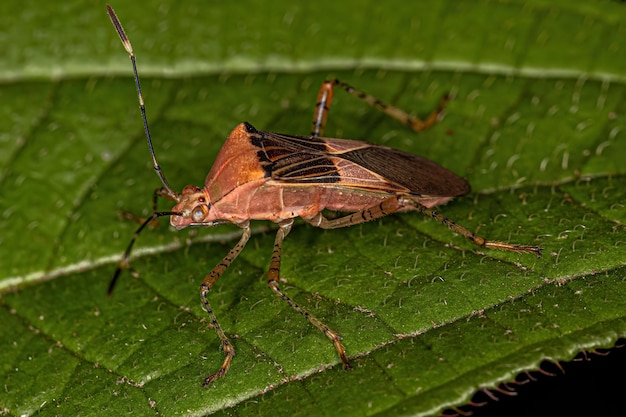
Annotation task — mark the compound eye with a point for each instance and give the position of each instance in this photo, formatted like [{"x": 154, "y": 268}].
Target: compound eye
[{"x": 199, "y": 213}]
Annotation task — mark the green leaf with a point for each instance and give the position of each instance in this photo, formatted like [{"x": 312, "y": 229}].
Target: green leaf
[{"x": 536, "y": 125}]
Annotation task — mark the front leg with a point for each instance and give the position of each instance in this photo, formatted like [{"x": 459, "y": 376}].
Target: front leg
[{"x": 206, "y": 286}]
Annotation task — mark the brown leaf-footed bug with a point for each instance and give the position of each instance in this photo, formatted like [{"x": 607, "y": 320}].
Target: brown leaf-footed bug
[{"x": 277, "y": 177}]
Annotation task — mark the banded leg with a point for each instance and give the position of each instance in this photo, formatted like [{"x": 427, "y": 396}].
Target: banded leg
[
  {"x": 385, "y": 207},
  {"x": 396, "y": 203},
  {"x": 206, "y": 286},
  {"x": 475, "y": 239},
  {"x": 273, "y": 277},
  {"x": 325, "y": 97}
]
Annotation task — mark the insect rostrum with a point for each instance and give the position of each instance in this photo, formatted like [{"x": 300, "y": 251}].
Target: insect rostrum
[{"x": 278, "y": 177}]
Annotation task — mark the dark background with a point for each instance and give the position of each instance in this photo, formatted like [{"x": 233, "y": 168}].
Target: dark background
[{"x": 590, "y": 385}]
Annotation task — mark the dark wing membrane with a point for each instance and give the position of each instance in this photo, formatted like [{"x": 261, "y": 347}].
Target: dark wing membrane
[
  {"x": 305, "y": 168},
  {"x": 296, "y": 159},
  {"x": 418, "y": 174},
  {"x": 308, "y": 160}
]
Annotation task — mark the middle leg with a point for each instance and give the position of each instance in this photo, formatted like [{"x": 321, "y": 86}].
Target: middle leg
[
  {"x": 273, "y": 277},
  {"x": 325, "y": 98}
]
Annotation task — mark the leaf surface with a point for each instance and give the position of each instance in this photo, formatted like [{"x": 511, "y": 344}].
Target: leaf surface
[{"x": 536, "y": 125}]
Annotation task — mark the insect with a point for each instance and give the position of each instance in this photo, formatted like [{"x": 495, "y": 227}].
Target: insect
[{"x": 277, "y": 177}]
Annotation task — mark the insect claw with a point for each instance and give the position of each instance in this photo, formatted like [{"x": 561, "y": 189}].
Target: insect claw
[
  {"x": 507, "y": 246},
  {"x": 209, "y": 379},
  {"x": 219, "y": 374}
]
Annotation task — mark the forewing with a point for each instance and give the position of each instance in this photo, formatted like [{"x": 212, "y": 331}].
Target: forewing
[
  {"x": 419, "y": 175},
  {"x": 354, "y": 164},
  {"x": 296, "y": 159}
]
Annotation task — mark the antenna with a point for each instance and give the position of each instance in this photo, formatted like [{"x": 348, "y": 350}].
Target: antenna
[{"x": 171, "y": 194}]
